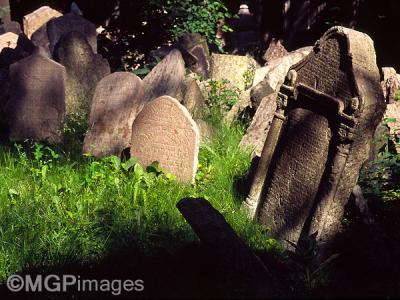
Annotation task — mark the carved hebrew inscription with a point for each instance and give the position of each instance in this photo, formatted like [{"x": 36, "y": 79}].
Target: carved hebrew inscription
[
  {"x": 165, "y": 132},
  {"x": 327, "y": 112}
]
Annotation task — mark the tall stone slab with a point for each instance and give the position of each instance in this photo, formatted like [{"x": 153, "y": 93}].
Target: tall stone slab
[
  {"x": 59, "y": 27},
  {"x": 327, "y": 112},
  {"x": 165, "y": 132},
  {"x": 116, "y": 103},
  {"x": 84, "y": 70},
  {"x": 37, "y": 100},
  {"x": 165, "y": 78},
  {"x": 38, "y": 18}
]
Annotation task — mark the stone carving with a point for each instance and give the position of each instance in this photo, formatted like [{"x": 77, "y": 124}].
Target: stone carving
[
  {"x": 258, "y": 130},
  {"x": 57, "y": 28},
  {"x": 116, "y": 103},
  {"x": 8, "y": 40},
  {"x": 38, "y": 18},
  {"x": 232, "y": 68},
  {"x": 165, "y": 132},
  {"x": 166, "y": 78},
  {"x": 327, "y": 113},
  {"x": 37, "y": 101},
  {"x": 84, "y": 70}
]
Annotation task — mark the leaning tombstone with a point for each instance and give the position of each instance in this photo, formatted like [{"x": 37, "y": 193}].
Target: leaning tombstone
[
  {"x": 327, "y": 113},
  {"x": 84, "y": 70},
  {"x": 165, "y": 132},
  {"x": 57, "y": 28},
  {"x": 116, "y": 103},
  {"x": 37, "y": 99},
  {"x": 166, "y": 78},
  {"x": 36, "y": 19}
]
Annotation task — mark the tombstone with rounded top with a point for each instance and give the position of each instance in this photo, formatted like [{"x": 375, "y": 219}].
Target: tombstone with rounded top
[
  {"x": 37, "y": 102},
  {"x": 165, "y": 132},
  {"x": 116, "y": 103},
  {"x": 84, "y": 70},
  {"x": 57, "y": 28}
]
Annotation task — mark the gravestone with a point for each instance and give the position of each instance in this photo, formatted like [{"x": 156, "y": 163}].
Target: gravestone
[
  {"x": 390, "y": 84},
  {"x": 10, "y": 27},
  {"x": 37, "y": 100},
  {"x": 257, "y": 132},
  {"x": 8, "y": 40},
  {"x": 116, "y": 103},
  {"x": 327, "y": 112},
  {"x": 232, "y": 68},
  {"x": 59, "y": 27},
  {"x": 196, "y": 46},
  {"x": 193, "y": 99},
  {"x": 165, "y": 132},
  {"x": 35, "y": 20},
  {"x": 165, "y": 78},
  {"x": 84, "y": 70}
]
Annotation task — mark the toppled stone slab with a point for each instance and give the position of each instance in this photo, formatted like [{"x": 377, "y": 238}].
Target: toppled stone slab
[{"x": 36, "y": 19}]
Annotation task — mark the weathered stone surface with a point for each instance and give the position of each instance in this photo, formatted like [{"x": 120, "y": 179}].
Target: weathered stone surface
[
  {"x": 116, "y": 103},
  {"x": 232, "y": 68},
  {"x": 390, "y": 84},
  {"x": 275, "y": 74},
  {"x": 10, "y": 27},
  {"x": 196, "y": 45},
  {"x": 258, "y": 130},
  {"x": 57, "y": 28},
  {"x": 84, "y": 70},
  {"x": 8, "y": 40},
  {"x": 166, "y": 78},
  {"x": 326, "y": 116},
  {"x": 38, "y": 18},
  {"x": 193, "y": 99},
  {"x": 242, "y": 103},
  {"x": 37, "y": 103},
  {"x": 165, "y": 132},
  {"x": 275, "y": 50},
  {"x": 206, "y": 130}
]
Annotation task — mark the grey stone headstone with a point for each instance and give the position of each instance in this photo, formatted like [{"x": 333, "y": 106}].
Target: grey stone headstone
[
  {"x": 37, "y": 102},
  {"x": 116, "y": 103},
  {"x": 84, "y": 70},
  {"x": 327, "y": 113},
  {"x": 57, "y": 28},
  {"x": 165, "y": 132},
  {"x": 166, "y": 78}
]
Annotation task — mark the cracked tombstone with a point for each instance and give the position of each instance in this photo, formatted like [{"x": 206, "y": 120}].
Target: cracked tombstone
[
  {"x": 165, "y": 132},
  {"x": 165, "y": 78},
  {"x": 116, "y": 103},
  {"x": 84, "y": 70},
  {"x": 37, "y": 100},
  {"x": 38, "y": 19},
  {"x": 327, "y": 113}
]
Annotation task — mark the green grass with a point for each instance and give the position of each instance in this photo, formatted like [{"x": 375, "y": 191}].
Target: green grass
[{"x": 58, "y": 208}]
